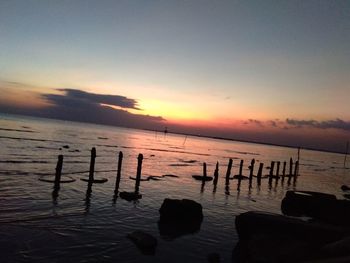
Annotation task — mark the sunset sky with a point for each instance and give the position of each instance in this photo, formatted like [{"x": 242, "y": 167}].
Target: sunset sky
[{"x": 268, "y": 71}]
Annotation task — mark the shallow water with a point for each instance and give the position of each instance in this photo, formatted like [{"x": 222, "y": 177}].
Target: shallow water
[{"x": 34, "y": 227}]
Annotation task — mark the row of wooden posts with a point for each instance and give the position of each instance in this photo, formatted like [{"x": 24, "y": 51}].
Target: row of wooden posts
[
  {"x": 92, "y": 179},
  {"x": 239, "y": 176},
  {"x": 259, "y": 176}
]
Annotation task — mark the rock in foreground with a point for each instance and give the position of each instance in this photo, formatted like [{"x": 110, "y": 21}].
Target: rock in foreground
[
  {"x": 179, "y": 217},
  {"x": 144, "y": 241}
]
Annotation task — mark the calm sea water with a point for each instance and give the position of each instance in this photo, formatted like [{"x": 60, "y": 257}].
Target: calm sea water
[{"x": 33, "y": 227}]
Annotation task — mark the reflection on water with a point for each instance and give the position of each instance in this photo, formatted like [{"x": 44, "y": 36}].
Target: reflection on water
[{"x": 89, "y": 223}]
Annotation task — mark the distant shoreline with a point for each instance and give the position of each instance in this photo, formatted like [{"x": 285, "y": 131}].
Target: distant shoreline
[{"x": 170, "y": 132}]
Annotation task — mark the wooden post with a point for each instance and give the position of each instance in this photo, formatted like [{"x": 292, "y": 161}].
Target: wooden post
[
  {"x": 284, "y": 170},
  {"x": 240, "y": 175},
  {"x": 58, "y": 172},
  {"x": 278, "y": 170},
  {"x": 261, "y": 166},
  {"x": 290, "y": 170},
  {"x": 271, "y": 172},
  {"x": 241, "y": 168},
  {"x": 216, "y": 174},
  {"x": 120, "y": 160},
  {"x": 346, "y": 153},
  {"x": 138, "y": 173},
  {"x": 251, "y": 172},
  {"x": 228, "y": 172},
  {"x": 204, "y": 171},
  {"x": 296, "y": 170},
  {"x": 92, "y": 165}
]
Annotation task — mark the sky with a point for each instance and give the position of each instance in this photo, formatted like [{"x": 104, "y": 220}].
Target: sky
[{"x": 266, "y": 71}]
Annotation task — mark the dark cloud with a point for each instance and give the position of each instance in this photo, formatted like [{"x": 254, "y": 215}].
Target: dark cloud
[
  {"x": 115, "y": 100},
  {"x": 76, "y": 105},
  {"x": 329, "y": 124}
]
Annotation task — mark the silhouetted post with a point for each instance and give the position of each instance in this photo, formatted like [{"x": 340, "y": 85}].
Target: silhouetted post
[
  {"x": 57, "y": 182},
  {"x": 284, "y": 170},
  {"x": 138, "y": 173},
  {"x": 204, "y": 171},
  {"x": 346, "y": 153},
  {"x": 92, "y": 165},
  {"x": 240, "y": 175},
  {"x": 296, "y": 171},
  {"x": 241, "y": 169},
  {"x": 216, "y": 174},
  {"x": 228, "y": 172},
  {"x": 290, "y": 170},
  {"x": 58, "y": 172},
  {"x": 278, "y": 170},
  {"x": 261, "y": 166},
  {"x": 271, "y": 172},
  {"x": 298, "y": 154},
  {"x": 120, "y": 160},
  {"x": 251, "y": 172}
]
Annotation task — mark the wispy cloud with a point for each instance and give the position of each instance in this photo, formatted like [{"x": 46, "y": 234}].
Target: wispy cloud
[{"x": 329, "y": 124}]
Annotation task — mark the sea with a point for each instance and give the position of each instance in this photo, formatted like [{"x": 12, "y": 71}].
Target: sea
[{"x": 74, "y": 227}]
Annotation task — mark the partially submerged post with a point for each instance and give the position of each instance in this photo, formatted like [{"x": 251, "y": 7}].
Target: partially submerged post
[
  {"x": 261, "y": 166},
  {"x": 346, "y": 153},
  {"x": 92, "y": 164},
  {"x": 296, "y": 171},
  {"x": 204, "y": 171},
  {"x": 56, "y": 186},
  {"x": 240, "y": 175},
  {"x": 228, "y": 172},
  {"x": 251, "y": 172},
  {"x": 216, "y": 174},
  {"x": 58, "y": 172},
  {"x": 290, "y": 170},
  {"x": 278, "y": 170},
  {"x": 284, "y": 170},
  {"x": 138, "y": 172},
  {"x": 271, "y": 172},
  {"x": 120, "y": 160}
]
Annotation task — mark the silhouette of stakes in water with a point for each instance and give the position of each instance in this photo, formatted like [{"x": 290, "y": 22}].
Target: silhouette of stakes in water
[
  {"x": 216, "y": 176},
  {"x": 290, "y": 170},
  {"x": 271, "y": 172},
  {"x": 296, "y": 166},
  {"x": 138, "y": 173},
  {"x": 56, "y": 186},
  {"x": 278, "y": 172},
  {"x": 240, "y": 175},
  {"x": 119, "y": 171},
  {"x": 251, "y": 167},
  {"x": 91, "y": 173},
  {"x": 284, "y": 171},
  {"x": 261, "y": 166},
  {"x": 228, "y": 172},
  {"x": 204, "y": 171}
]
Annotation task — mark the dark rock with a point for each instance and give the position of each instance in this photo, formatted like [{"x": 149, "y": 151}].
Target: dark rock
[
  {"x": 250, "y": 224},
  {"x": 347, "y": 196},
  {"x": 213, "y": 258},
  {"x": 130, "y": 196},
  {"x": 338, "y": 248},
  {"x": 179, "y": 217},
  {"x": 65, "y": 146},
  {"x": 272, "y": 248},
  {"x": 202, "y": 178},
  {"x": 320, "y": 206},
  {"x": 144, "y": 241},
  {"x": 345, "y": 187},
  {"x": 268, "y": 237}
]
